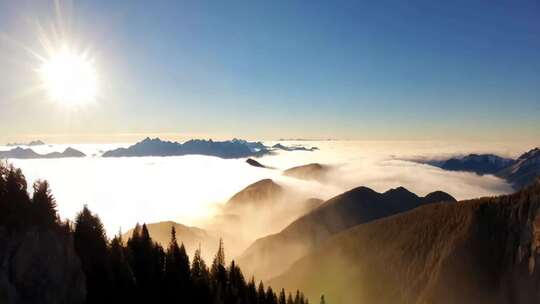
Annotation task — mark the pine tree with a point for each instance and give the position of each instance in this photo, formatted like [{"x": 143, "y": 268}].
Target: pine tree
[
  {"x": 282, "y": 299},
  {"x": 271, "y": 296},
  {"x": 237, "y": 287},
  {"x": 202, "y": 292},
  {"x": 297, "y": 297},
  {"x": 91, "y": 246},
  {"x": 44, "y": 205},
  {"x": 261, "y": 293},
  {"x": 146, "y": 260},
  {"x": 251, "y": 293},
  {"x": 177, "y": 271},
  {"x": 323, "y": 301},
  {"x": 290, "y": 299},
  {"x": 218, "y": 271},
  {"x": 15, "y": 210},
  {"x": 122, "y": 275}
]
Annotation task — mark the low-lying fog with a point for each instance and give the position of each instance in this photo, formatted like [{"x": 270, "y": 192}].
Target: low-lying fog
[{"x": 188, "y": 189}]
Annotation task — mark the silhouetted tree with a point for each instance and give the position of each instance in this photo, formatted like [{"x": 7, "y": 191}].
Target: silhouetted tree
[
  {"x": 323, "y": 301},
  {"x": 290, "y": 299},
  {"x": 91, "y": 246},
  {"x": 145, "y": 261},
  {"x": 218, "y": 271},
  {"x": 122, "y": 275},
  {"x": 177, "y": 271},
  {"x": 237, "y": 287},
  {"x": 261, "y": 294},
  {"x": 251, "y": 292},
  {"x": 15, "y": 206},
  {"x": 44, "y": 205},
  {"x": 271, "y": 296},
  {"x": 200, "y": 276},
  {"x": 282, "y": 299}
]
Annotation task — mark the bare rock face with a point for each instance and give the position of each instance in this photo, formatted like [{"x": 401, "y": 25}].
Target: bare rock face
[{"x": 40, "y": 266}]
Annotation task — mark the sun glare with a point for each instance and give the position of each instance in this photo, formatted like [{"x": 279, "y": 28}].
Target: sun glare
[{"x": 69, "y": 77}]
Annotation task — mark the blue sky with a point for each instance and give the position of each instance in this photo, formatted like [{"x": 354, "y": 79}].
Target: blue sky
[{"x": 407, "y": 70}]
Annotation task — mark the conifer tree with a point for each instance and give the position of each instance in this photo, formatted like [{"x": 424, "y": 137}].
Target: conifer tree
[
  {"x": 91, "y": 245},
  {"x": 282, "y": 299},
  {"x": 297, "y": 297},
  {"x": 251, "y": 292},
  {"x": 218, "y": 271},
  {"x": 271, "y": 296},
  {"x": 261, "y": 293},
  {"x": 44, "y": 205},
  {"x": 290, "y": 299},
  {"x": 323, "y": 301},
  {"x": 122, "y": 275},
  {"x": 177, "y": 271}
]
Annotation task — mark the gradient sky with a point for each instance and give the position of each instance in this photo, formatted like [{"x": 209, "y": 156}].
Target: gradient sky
[{"x": 389, "y": 70}]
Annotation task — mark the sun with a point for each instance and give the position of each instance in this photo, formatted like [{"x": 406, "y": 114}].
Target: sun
[{"x": 69, "y": 77}]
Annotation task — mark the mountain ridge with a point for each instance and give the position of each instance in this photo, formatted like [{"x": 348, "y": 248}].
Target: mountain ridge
[
  {"x": 485, "y": 250},
  {"x": 353, "y": 207}
]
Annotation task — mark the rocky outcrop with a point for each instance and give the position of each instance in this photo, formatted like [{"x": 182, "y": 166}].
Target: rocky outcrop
[{"x": 40, "y": 266}]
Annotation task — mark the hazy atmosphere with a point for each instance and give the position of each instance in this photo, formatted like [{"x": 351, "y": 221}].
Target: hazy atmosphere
[{"x": 269, "y": 152}]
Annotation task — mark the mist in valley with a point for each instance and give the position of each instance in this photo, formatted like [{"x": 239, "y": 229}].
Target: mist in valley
[{"x": 194, "y": 190}]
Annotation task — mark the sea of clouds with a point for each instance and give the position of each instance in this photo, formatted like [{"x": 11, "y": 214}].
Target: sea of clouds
[{"x": 190, "y": 189}]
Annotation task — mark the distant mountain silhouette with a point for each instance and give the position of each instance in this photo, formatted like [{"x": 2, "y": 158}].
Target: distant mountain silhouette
[
  {"x": 32, "y": 143},
  {"x": 27, "y": 153},
  {"x": 225, "y": 149},
  {"x": 293, "y": 148},
  {"x": 349, "y": 209},
  {"x": 519, "y": 173},
  {"x": 313, "y": 171},
  {"x": 478, "y": 163},
  {"x": 478, "y": 251}
]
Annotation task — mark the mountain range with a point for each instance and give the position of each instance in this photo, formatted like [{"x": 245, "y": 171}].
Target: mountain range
[
  {"x": 484, "y": 250},
  {"x": 235, "y": 148},
  {"x": 27, "y": 153},
  {"x": 31, "y": 143},
  {"x": 265, "y": 258},
  {"x": 518, "y": 172}
]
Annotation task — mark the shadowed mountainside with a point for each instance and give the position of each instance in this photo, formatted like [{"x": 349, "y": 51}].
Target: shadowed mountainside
[
  {"x": 479, "y": 164},
  {"x": 524, "y": 170},
  {"x": 40, "y": 266},
  {"x": 477, "y": 251},
  {"x": 27, "y": 153},
  {"x": 265, "y": 257}
]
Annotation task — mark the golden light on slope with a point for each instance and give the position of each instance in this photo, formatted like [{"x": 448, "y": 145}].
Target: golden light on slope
[{"x": 69, "y": 77}]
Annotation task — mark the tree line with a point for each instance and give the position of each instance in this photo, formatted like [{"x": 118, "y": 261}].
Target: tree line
[{"x": 137, "y": 270}]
